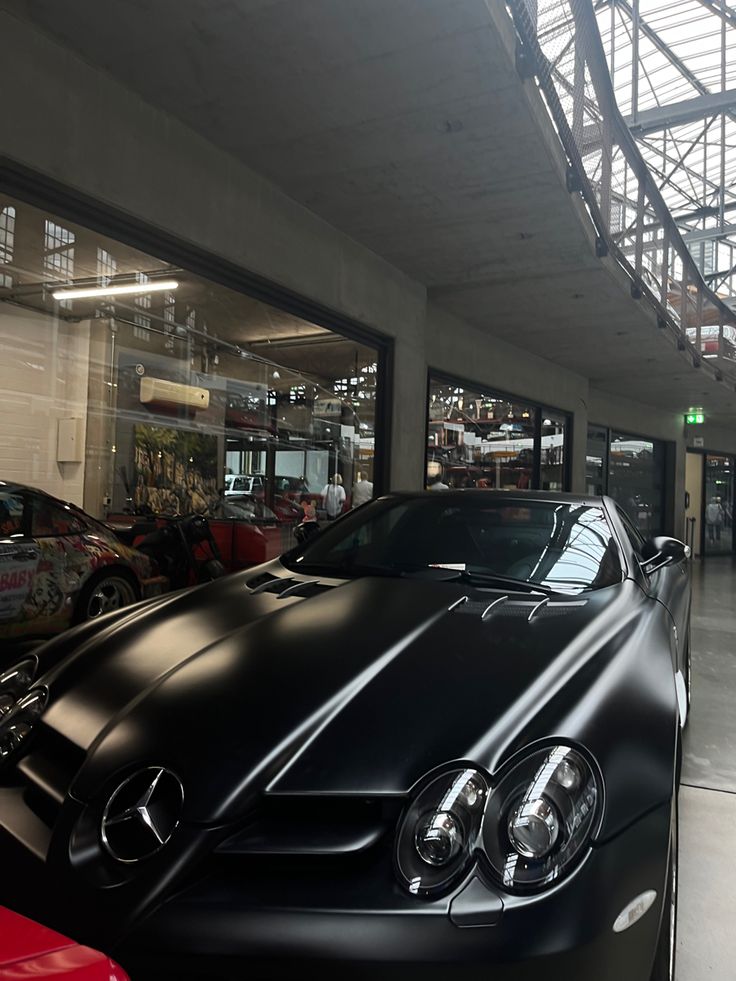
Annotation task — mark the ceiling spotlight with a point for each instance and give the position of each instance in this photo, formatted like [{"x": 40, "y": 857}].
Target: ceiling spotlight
[{"x": 131, "y": 288}]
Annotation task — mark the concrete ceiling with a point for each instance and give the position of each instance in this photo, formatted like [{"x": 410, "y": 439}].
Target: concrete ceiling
[{"x": 405, "y": 124}]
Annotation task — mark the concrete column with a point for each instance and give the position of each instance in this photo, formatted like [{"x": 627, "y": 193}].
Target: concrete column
[
  {"x": 578, "y": 447},
  {"x": 408, "y": 423}
]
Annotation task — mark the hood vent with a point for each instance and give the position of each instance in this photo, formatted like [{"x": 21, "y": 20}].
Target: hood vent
[
  {"x": 504, "y": 607},
  {"x": 263, "y": 580},
  {"x": 305, "y": 589},
  {"x": 288, "y": 586}
]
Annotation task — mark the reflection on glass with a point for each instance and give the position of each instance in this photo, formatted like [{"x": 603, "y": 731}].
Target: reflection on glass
[
  {"x": 552, "y": 467},
  {"x": 566, "y": 548},
  {"x": 718, "y": 504},
  {"x": 636, "y": 480},
  {"x": 178, "y": 392},
  {"x": 481, "y": 440},
  {"x": 596, "y": 454}
]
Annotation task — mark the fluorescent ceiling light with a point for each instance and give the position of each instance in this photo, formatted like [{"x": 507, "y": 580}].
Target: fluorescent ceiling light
[{"x": 152, "y": 287}]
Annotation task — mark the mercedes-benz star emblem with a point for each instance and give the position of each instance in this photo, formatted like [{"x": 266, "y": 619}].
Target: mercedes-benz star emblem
[{"x": 141, "y": 814}]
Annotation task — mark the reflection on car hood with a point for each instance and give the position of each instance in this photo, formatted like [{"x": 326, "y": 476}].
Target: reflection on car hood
[{"x": 357, "y": 689}]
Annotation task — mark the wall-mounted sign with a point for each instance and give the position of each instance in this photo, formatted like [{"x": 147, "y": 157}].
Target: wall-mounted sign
[
  {"x": 698, "y": 442},
  {"x": 695, "y": 416}
]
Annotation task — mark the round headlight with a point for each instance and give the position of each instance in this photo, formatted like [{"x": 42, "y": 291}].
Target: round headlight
[
  {"x": 534, "y": 828},
  {"x": 540, "y": 818},
  {"x": 439, "y": 838},
  {"x": 17, "y": 724},
  {"x": 437, "y": 835},
  {"x": 15, "y": 681}
]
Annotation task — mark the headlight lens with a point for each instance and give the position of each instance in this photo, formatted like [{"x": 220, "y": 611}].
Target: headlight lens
[
  {"x": 540, "y": 817},
  {"x": 17, "y": 724},
  {"x": 437, "y": 837},
  {"x": 15, "y": 681}
]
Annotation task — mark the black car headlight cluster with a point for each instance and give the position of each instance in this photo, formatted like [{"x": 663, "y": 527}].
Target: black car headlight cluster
[
  {"x": 530, "y": 827},
  {"x": 437, "y": 837},
  {"x": 15, "y": 682},
  {"x": 21, "y": 704}
]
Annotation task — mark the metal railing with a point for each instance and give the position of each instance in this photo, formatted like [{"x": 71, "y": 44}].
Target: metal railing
[{"x": 559, "y": 44}]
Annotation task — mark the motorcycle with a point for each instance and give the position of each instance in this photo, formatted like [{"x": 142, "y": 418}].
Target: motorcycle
[{"x": 183, "y": 547}]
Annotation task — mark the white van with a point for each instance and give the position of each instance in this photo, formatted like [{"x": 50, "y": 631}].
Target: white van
[{"x": 243, "y": 483}]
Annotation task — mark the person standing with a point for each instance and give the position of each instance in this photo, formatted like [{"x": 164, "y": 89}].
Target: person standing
[
  {"x": 362, "y": 490},
  {"x": 714, "y": 519},
  {"x": 333, "y": 497}
]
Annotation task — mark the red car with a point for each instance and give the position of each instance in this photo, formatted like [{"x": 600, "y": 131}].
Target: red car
[
  {"x": 29, "y": 950},
  {"x": 248, "y": 532}
]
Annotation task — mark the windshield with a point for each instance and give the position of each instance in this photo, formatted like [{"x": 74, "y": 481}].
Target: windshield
[{"x": 562, "y": 547}]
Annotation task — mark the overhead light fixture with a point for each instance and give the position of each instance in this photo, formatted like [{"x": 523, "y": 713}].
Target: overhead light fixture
[{"x": 154, "y": 286}]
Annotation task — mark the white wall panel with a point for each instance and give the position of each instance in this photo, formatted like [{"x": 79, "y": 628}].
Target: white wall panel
[{"x": 44, "y": 367}]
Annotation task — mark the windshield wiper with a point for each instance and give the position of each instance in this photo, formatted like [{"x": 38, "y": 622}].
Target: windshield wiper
[
  {"x": 409, "y": 570},
  {"x": 345, "y": 569},
  {"x": 491, "y": 579}
]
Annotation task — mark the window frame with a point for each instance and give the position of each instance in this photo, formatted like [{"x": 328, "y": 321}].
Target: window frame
[
  {"x": 540, "y": 408},
  {"x": 41, "y": 191},
  {"x": 666, "y": 500}
]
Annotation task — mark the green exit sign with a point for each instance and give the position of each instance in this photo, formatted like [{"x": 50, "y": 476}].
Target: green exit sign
[{"x": 695, "y": 417}]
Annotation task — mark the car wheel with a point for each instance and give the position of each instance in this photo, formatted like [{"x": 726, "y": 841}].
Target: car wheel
[
  {"x": 664, "y": 961},
  {"x": 104, "y": 595}
]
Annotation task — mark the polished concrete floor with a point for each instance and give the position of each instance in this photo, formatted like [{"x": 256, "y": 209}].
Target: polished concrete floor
[{"x": 707, "y": 916}]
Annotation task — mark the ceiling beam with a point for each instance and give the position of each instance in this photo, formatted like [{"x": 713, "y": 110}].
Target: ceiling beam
[
  {"x": 721, "y": 10},
  {"x": 708, "y": 234},
  {"x": 679, "y": 113}
]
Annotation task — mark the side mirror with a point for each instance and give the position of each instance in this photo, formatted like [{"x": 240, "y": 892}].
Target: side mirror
[{"x": 664, "y": 551}]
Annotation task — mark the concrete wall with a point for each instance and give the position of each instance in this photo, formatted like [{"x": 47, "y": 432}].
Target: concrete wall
[
  {"x": 154, "y": 168},
  {"x": 43, "y": 378},
  {"x": 716, "y": 439},
  {"x": 456, "y": 348}
]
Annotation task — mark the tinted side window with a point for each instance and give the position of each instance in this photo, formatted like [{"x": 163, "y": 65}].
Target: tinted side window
[
  {"x": 49, "y": 519},
  {"x": 11, "y": 514}
]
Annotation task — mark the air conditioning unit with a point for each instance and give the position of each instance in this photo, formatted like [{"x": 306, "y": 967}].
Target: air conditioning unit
[{"x": 159, "y": 391}]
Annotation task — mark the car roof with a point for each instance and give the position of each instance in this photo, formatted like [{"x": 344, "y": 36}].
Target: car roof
[{"x": 15, "y": 488}]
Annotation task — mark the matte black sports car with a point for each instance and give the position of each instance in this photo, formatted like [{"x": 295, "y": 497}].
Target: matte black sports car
[{"x": 440, "y": 739}]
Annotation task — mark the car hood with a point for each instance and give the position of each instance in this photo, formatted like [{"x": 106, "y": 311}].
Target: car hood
[{"x": 358, "y": 687}]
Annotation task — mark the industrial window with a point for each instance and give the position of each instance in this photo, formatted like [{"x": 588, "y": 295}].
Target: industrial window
[
  {"x": 7, "y": 243},
  {"x": 483, "y": 438},
  {"x": 179, "y": 389}
]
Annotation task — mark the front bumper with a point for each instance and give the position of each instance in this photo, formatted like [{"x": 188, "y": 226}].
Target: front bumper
[{"x": 230, "y": 926}]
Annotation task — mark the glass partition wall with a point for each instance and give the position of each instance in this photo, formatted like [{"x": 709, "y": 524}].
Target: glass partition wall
[
  {"x": 129, "y": 383},
  {"x": 632, "y": 470},
  {"x": 718, "y": 500},
  {"x": 480, "y": 438}
]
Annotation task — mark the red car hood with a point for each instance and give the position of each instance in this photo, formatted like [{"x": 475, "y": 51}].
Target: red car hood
[{"x": 29, "y": 950}]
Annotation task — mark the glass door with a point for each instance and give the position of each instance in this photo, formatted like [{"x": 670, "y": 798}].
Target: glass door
[{"x": 718, "y": 504}]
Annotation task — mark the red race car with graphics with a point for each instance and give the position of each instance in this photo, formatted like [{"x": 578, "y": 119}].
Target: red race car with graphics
[{"x": 59, "y": 566}]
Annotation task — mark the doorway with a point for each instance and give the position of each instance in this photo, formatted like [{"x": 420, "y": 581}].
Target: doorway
[
  {"x": 718, "y": 504},
  {"x": 709, "y": 503},
  {"x": 694, "y": 501}
]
